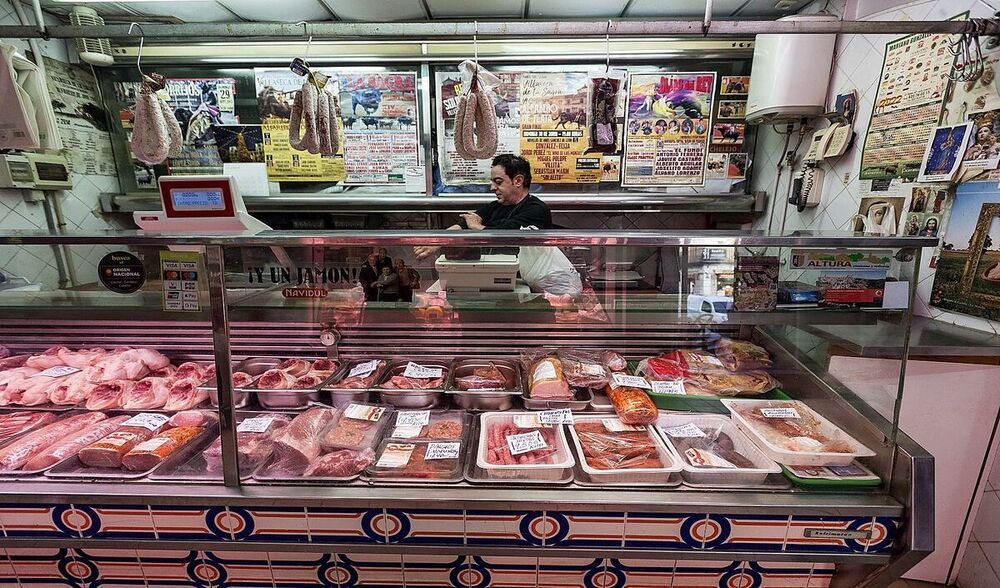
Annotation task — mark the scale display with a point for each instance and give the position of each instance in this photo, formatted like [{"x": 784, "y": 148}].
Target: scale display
[
  {"x": 199, "y": 196},
  {"x": 189, "y": 200}
]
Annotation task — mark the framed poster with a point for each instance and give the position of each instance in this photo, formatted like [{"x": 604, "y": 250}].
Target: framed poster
[
  {"x": 381, "y": 138},
  {"x": 554, "y": 129},
  {"x": 667, "y": 128}
]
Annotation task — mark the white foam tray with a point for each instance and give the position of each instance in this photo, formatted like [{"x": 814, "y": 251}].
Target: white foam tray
[
  {"x": 562, "y": 459},
  {"x": 763, "y": 465}
]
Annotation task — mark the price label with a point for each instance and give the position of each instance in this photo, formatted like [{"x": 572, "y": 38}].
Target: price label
[
  {"x": 364, "y": 412},
  {"x": 442, "y": 451},
  {"x": 562, "y": 416},
  {"x": 707, "y": 459},
  {"x": 525, "y": 442},
  {"x": 414, "y": 370},
  {"x": 780, "y": 413},
  {"x": 544, "y": 370},
  {"x": 528, "y": 421},
  {"x": 57, "y": 371},
  {"x": 363, "y": 369},
  {"x": 413, "y": 418},
  {"x": 669, "y": 387},
  {"x": 618, "y": 380},
  {"x": 688, "y": 430},
  {"x": 147, "y": 420},
  {"x": 396, "y": 455},
  {"x": 592, "y": 369},
  {"x": 616, "y": 426},
  {"x": 258, "y": 424},
  {"x": 407, "y": 432}
]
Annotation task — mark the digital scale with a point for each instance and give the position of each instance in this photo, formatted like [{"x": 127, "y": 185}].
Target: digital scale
[
  {"x": 490, "y": 273},
  {"x": 199, "y": 204}
]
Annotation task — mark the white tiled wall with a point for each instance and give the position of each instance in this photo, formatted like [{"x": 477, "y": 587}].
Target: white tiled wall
[
  {"x": 857, "y": 66},
  {"x": 80, "y": 205}
]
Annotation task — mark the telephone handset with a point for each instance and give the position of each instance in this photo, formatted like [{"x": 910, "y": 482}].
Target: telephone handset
[
  {"x": 807, "y": 187},
  {"x": 829, "y": 142}
]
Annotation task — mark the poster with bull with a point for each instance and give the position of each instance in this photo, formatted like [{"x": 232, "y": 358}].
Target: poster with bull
[
  {"x": 380, "y": 126},
  {"x": 554, "y": 129},
  {"x": 456, "y": 170},
  {"x": 276, "y": 90},
  {"x": 198, "y": 104},
  {"x": 667, "y": 129}
]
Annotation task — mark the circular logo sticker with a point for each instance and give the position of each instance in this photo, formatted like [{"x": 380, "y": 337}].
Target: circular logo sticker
[{"x": 121, "y": 272}]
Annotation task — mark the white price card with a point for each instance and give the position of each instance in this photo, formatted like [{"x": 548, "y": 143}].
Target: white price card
[
  {"x": 528, "y": 421},
  {"x": 707, "y": 459},
  {"x": 442, "y": 451},
  {"x": 413, "y": 418},
  {"x": 562, "y": 416},
  {"x": 616, "y": 426},
  {"x": 526, "y": 442},
  {"x": 151, "y": 445},
  {"x": 593, "y": 369},
  {"x": 669, "y": 387},
  {"x": 257, "y": 424},
  {"x": 407, "y": 431},
  {"x": 396, "y": 455},
  {"x": 147, "y": 420},
  {"x": 57, "y": 371},
  {"x": 414, "y": 370},
  {"x": 364, "y": 412},
  {"x": 618, "y": 380},
  {"x": 780, "y": 413},
  {"x": 363, "y": 369},
  {"x": 688, "y": 430}
]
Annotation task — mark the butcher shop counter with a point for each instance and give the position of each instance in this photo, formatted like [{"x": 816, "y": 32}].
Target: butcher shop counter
[{"x": 465, "y": 532}]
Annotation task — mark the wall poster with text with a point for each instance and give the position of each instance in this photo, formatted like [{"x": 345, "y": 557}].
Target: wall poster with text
[
  {"x": 380, "y": 126},
  {"x": 668, "y": 124},
  {"x": 81, "y": 118},
  {"x": 554, "y": 128}
]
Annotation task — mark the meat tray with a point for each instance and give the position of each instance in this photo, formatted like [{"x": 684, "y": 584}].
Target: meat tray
[
  {"x": 341, "y": 397},
  {"x": 14, "y": 475},
  {"x": 412, "y": 399},
  {"x": 278, "y": 399},
  {"x": 718, "y": 476},
  {"x": 582, "y": 397},
  {"x": 442, "y": 425},
  {"x": 73, "y": 468},
  {"x": 654, "y": 476},
  {"x": 551, "y": 470},
  {"x": 790, "y": 457},
  {"x": 484, "y": 400},
  {"x": 416, "y": 470},
  {"x": 601, "y": 402},
  {"x": 255, "y": 366},
  {"x": 476, "y": 476},
  {"x": 357, "y": 426}
]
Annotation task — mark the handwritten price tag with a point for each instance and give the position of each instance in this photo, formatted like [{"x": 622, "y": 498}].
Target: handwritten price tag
[
  {"x": 363, "y": 369},
  {"x": 255, "y": 424},
  {"x": 562, "y": 416},
  {"x": 413, "y": 418},
  {"x": 414, "y": 370},
  {"x": 780, "y": 413},
  {"x": 618, "y": 380},
  {"x": 442, "y": 451},
  {"x": 148, "y": 420},
  {"x": 616, "y": 426},
  {"x": 57, "y": 372},
  {"x": 525, "y": 442},
  {"x": 669, "y": 387},
  {"x": 688, "y": 430}
]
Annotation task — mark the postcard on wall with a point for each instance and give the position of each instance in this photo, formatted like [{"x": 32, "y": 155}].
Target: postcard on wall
[
  {"x": 728, "y": 133},
  {"x": 734, "y": 85},
  {"x": 944, "y": 151},
  {"x": 879, "y": 215},
  {"x": 984, "y": 148},
  {"x": 732, "y": 109},
  {"x": 847, "y": 105}
]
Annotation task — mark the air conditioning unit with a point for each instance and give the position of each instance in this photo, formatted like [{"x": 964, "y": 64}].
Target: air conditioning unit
[
  {"x": 34, "y": 171},
  {"x": 92, "y": 51}
]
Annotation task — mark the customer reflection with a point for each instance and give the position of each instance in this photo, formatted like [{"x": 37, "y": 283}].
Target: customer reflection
[
  {"x": 367, "y": 276},
  {"x": 387, "y": 286},
  {"x": 409, "y": 280}
]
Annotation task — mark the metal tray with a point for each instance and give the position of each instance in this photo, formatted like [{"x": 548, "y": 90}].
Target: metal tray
[
  {"x": 457, "y": 476},
  {"x": 73, "y": 468},
  {"x": 412, "y": 399},
  {"x": 307, "y": 395},
  {"x": 476, "y": 476},
  {"x": 482, "y": 400},
  {"x": 40, "y": 407},
  {"x": 341, "y": 397},
  {"x": 601, "y": 402},
  {"x": 582, "y": 399},
  {"x": 255, "y": 366},
  {"x": 265, "y": 475}
]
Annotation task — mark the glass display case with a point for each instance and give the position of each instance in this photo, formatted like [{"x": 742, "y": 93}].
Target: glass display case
[{"x": 637, "y": 401}]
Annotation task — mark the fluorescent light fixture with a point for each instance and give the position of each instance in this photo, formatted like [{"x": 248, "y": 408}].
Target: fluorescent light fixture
[{"x": 118, "y": 1}]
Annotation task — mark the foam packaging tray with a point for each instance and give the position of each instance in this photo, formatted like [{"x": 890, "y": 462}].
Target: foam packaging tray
[{"x": 763, "y": 465}]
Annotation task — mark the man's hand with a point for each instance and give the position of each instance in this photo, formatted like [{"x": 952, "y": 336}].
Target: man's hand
[
  {"x": 474, "y": 221},
  {"x": 424, "y": 251}
]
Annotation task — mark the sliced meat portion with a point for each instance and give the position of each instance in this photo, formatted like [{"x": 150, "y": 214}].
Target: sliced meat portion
[
  {"x": 108, "y": 395},
  {"x": 276, "y": 380},
  {"x": 296, "y": 367},
  {"x": 242, "y": 380},
  {"x": 190, "y": 371},
  {"x": 151, "y": 453},
  {"x": 71, "y": 445},
  {"x": 108, "y": 452},
  {"x": 307, "y": 382},
  {"x": 341, "y": 464},
  {"x": 147, "y": 393},
  {"x": 185, "y": 395}
]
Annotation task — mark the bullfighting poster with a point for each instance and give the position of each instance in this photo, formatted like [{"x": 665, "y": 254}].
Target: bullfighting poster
[
  {"x": 276, "y": 90},
  {"x": 668, "y": 125},
  {"x": 380, "y": 126},
  {"x": 555, "y": 133},
  {"x": 456, "y": 170}
]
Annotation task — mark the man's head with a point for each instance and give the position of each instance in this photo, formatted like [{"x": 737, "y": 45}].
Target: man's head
[
  {"x": 386, "y": 271},
  {"x": 399, "y": 264},
  {"x": 382, "y": 252},
  {"x": 510, "y": 178},
  {"x": 372, "y": 259}
]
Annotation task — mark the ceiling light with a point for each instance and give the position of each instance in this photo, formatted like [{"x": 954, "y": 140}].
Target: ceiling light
[{"x": 118, "y": 1}]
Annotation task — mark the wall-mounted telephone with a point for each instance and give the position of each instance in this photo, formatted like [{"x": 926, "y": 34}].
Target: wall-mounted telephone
[
  {"x": 807, "y": 187},
  {"x": 829, "y": 142}
]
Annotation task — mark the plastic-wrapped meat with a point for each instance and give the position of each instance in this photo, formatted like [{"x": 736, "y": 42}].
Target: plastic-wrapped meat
[
  {"x": 340, "y": 464},
  {"x": 22, "y": 450},
  {"x": 108, "y": 451},
  {"x": 242, "y": 380},
  {"x": 47, "y": 359},
  {"x": 498, "y": 451},
  {"x": 193, "y": 418},
  {"x": 276, "y": 380},
  {"x": 149, "y": 392},
  {"x": 253, "y": 447},
  {"x": 14, "y": 423},
  {"x": 295, "y": 367},
  {"x": 613, "y": 450},
  {"x": 793, "y": 434},
  {"x": 151, "y": 453},
  {"x": 546, "y": 380},
  {"x": 71, "y": 445},
  {"x": 299, "y": 441},
  {"x": 72, "y": 390},
  {"x": 706, "y": 451},
  {"x": 190, "y": 371},
  {"x": 405, "y": 383},
  {"x": 583, "y": 368},
  {"x": 613, "y": 361},
  {"x": 108, "y": 395},
  {"x": 738, "y": 355},
  {"x": 307, "y": 382},
  {"x": 475, "y": 382},
  {"x": 632, "y": 405},
  {"x": 185, "y": 395}
]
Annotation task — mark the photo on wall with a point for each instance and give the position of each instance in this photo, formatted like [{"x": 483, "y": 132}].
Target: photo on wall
[
  {"x": 734, "y": 85},
  {"x": 944, "y": 152},
  {"x": 879, "y": 215},
  {"x": 732, "y": 109},
  {"x": 728, "y": 133}
]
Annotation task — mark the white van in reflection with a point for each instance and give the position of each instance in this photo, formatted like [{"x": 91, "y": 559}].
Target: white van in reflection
[{"x": 715, "y": 308}]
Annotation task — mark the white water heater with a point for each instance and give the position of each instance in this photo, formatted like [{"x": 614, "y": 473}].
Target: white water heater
[{"x": 791, "y": 74}]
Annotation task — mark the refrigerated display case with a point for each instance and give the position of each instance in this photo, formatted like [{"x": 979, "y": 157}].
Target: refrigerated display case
[{"x": 334, "y": 455}]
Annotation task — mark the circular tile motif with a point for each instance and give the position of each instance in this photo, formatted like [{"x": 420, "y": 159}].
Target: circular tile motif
[
  {"x": 549, "y": 529},
  {"x": 609, "y": 578},
  {"x": 78, "y": 571},
  {"x": 700, "y": 532},
  {"x": 76, "y": 520},
  {"x": 229, "y": 524},
  {"x": 473, "y": 576},
  {"x": 394, "y": 525},
  {"x": 337, "y": 574}
]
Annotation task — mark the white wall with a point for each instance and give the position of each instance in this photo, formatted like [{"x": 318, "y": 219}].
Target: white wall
[
  {"x": 858, "y": 64},
  {"x": 80, "y": 205}
]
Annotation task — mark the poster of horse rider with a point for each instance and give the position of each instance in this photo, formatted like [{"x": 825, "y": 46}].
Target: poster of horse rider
[
  {"x": 554, "y": 130},
  {"x": 198, "y": 104},
  {"x": 276, "y": 90},
  {"x": 669, "y": 117},
  {"x": 380, "y": 126},
  {"x": 456, "y": 170}
]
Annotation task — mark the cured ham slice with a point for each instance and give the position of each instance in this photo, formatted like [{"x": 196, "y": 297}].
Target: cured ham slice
[
  {"x": 149, "y": 392},
  {"x": 275, "y": 380},
  {"x": 108, "y": 395},
  {"x": 295, "y": 367},
  {"x": 71, "y": 445},
  {"x": 185, "y": 395}
]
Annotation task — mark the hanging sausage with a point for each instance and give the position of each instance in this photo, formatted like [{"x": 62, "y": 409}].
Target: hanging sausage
[
  {"x": 156, "y": 134},
  {"x": 604, "y": 100},
  {"x": 476, "y": 119},
  {"x": 318, "y": 110}
]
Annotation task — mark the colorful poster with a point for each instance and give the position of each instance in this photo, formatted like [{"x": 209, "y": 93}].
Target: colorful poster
[
  {"x": 380, "y": 126},
  {"x": 456, "y": 170},
  {"x": 240, "y": 143},
  {"x": 667, "y": 128},
  {"x": 555, "y": 133},
  {"x": 984, "y": 148},
  {"x": 734, "y": 85},
  {"x": 907, "y": 106},
  {"x": 276, "y": 90},
  {"x": 967, "y": 279},
  {"x": 81, "y": 119},
  {"x": 944, "y": 152}
]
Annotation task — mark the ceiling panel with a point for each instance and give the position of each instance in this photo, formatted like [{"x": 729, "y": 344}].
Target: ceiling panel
[
  {"x": 766, "y": 8},
  {"x": 377, "y": 10},
  {"x": 466, "y": 9},
  {"x": 278, "y": 10},
  {"x": 681, "y": 8},
  {"x": 581, "y": 8}
]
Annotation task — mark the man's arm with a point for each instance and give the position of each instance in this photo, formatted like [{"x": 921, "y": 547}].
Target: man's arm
[{"x": 424, "y": 251}]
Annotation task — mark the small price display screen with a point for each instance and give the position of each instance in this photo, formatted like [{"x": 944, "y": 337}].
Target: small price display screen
[{"x": 184, "y": 200}]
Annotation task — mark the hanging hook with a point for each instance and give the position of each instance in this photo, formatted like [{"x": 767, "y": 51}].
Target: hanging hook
[
  {"x": 475, "y": 45},
  {"x": 607, "y": 48},
  {"x": 142, "y": 41},
  {"x": 707, "y": 22}
]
